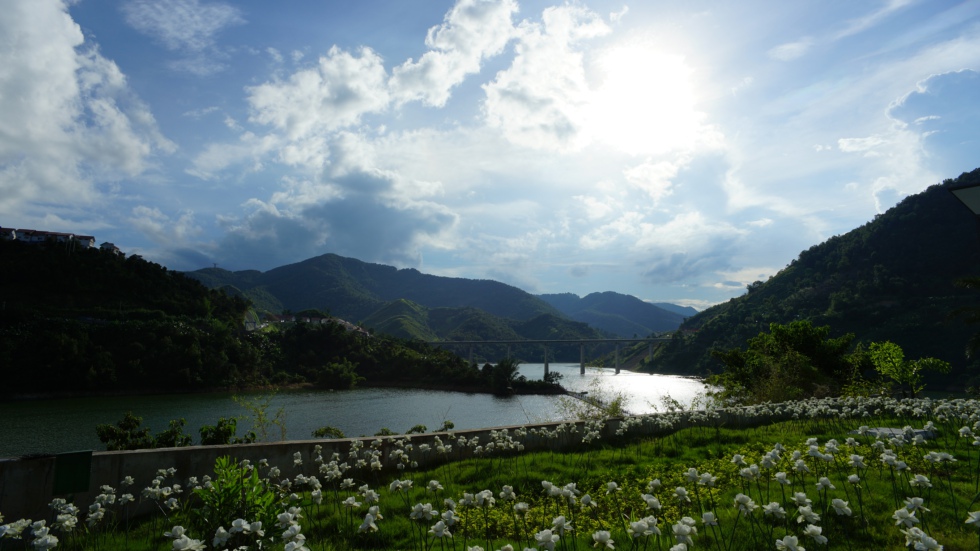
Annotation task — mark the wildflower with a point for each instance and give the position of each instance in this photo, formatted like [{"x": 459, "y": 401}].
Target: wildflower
[
  {"x": 774, "y": 509},
  {"x": 422, "y": 512},
  {"x": 920, "y": 481},
  {"x": 841, "y": 507},
  {"x": 449, "y": 517},
  {"x": 560, "y": 525},
  {"x": 974, "y": 519},
  {"x": 815, "y": 532},
  {"x": 745, "y": 504},
  {"x": 507, "y": 494},
  {"x": 439, "y": 530},
  {"x": 221, "y": 537},
  {"x": 611, "y": 487},
  {"x": 546, "y": 539},
  {"x": 824, "y": 484},
  {"x": 256, "y": 528},
  {"x": 800, "y": 499},
  {"x": 708, "y": 480},
  {"x": 681, "y": 493},
  {"x": 807, "y": 515},
  {"x": 854, "y": 479},
  {"x": 683, "y": 532},
  {"x": 781, "y": 478},
  {"x": 709, "y": 519},
  {"x": 653, "y": 485},
  {"x": 293, "y": 533},
  {"x": 434, "y": 486},
  {"x": 651, "y": 501},
  {"x": 239, "y": 525},
  {"x": 351, "y": 503},
  {"x": 738, "y": 460},
  {"x": 789, "y": 543},
  {"x": 692, "y": 475},
  {"x": 904, "y": 518},
  {"x": 602, "y": 538},
  {"x": 295, "y": 546},
  {"x": 521, "y": 508},
  {"x": 184, "y": 543},
  {"x": 587, "y": 501}
]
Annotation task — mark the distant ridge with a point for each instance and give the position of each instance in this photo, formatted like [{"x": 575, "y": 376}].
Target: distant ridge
[{"x": 619, "y": 314}]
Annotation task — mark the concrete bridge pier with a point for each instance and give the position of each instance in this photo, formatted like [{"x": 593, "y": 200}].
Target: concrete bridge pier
[
  {"x": 617, "y": 359},
  {"x": 471, "y": 355},
  {"x": 581, "y": 358},
  {"x": 545, "y": 361}
]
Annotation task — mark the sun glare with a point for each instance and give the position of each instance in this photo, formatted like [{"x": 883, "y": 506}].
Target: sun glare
[{"x": 644, "y": 103}]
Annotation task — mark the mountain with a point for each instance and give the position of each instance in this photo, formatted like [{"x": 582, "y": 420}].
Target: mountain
[
  {"x": 894, "y": 278},
  {"x": 621, "y": 315},
  {"x": 685, "y": 311},
  {"x": 352, "y": 289}
]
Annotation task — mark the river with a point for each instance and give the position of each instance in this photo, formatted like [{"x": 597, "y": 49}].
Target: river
[{"x": 59, "y": 425}]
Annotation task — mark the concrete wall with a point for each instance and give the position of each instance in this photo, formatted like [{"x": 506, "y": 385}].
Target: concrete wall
[{"x": 26, "y": 484}]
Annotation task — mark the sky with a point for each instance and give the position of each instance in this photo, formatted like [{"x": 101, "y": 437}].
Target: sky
[{"x": 672, "y": 150}]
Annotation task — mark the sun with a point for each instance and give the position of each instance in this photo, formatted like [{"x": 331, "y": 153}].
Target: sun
[{"x": 644, "y": 103}]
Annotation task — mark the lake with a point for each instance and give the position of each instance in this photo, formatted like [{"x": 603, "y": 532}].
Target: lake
[{"x": 59, "y": 425}]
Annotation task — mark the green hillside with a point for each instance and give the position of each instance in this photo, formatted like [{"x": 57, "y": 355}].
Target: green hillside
[
  {"x": 354, "y": 290},
  {"x": 893, "y": 278}
]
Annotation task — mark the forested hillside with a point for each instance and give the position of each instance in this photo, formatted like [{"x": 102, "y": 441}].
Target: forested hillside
[
  {"x": 893, "y": 278},
  {"x": 90, "y": 321},
  {"x": 352, "y": 289}
]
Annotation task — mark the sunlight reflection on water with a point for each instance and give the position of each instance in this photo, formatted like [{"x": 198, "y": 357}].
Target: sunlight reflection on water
[{"x": 51, "y": 426}]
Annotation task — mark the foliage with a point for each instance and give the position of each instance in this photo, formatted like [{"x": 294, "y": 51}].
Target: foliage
[
  {"x": 791, "y": 361},
  {"x": 224, "y": 433},
  {"x": 128, "y": 434},
  {"x": 258, "y": 410},
  {"x": 890, "y": 279},
  {"x": 328, "y": 432},
  {"x": 889, "y": 360},
  {"x": 236, "y": 492}
]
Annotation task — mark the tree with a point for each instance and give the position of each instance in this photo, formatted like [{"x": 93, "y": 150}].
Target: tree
[
  {"x": 126, "y": 434},
  {"x": 791, "y": 361},
  {"x": 889, "y": 360},
  {"x": 503, "y": 375}
]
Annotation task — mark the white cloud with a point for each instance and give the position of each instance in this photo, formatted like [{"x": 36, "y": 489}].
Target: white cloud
[
  {"x": 791, "y": 50},
  {"x": 335, "y": 94},
  {"x": 67, "y": 116},
  {"x": 473, "y": 30},
  {"x": 538, "y": 101},
  {"x": 163, "y": 229},
  {"x": 181, "y": 24},
  {"x": 655, "y": 178}
]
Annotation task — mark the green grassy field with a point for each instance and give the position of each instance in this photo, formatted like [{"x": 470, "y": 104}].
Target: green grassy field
[{"x": 807, "y": 482}]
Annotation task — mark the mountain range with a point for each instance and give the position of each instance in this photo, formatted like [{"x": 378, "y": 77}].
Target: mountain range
[{"x": 410, "y": 304}]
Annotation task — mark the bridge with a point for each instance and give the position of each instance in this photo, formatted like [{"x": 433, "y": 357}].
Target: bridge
[{"x": 581, "y": 342}]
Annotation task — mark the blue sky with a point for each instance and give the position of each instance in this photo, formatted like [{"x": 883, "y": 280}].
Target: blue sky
[{"x": 672, "y": 150}]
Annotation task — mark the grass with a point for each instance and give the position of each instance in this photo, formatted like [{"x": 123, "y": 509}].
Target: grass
[{"x": 713, "y": 463}]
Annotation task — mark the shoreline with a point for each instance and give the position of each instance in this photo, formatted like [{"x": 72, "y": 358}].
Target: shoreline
[{"x": 466, "y": 389}]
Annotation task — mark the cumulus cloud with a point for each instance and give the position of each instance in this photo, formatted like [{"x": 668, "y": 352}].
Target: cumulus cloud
[
  {"x": 163, "y": 229},
  {"x": 538, "y": 101},
  {"x": 67, "y": 115},
  {"x": 336, "y": 93},
  {"x": 473, "y": 30}
]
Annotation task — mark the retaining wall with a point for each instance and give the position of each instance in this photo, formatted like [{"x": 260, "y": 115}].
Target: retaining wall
[{"x": 27, "y": 485}]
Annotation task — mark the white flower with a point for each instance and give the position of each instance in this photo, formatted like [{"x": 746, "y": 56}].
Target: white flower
[
  {"x": 434, "y": 486},
  {"x": 221, "y": 537},
  {"x": 546, "y": 539},
  {"x": 559, "y": 524},
  {"x": 915, "y": 504},
  {"x": 681, "y": 493},
  {"x": 807, "y": 515},
  {"x": 183, "y": 543},
  {"x": 974, "y": 519},
  {"x": 709, "y": 519},
  {"x": 815, "y": 532},
  {"x": 602, "y": 538},
  {"x": 789, "y": 543},
  {"x": 440, "y": 530},
  {"x": 745, "y": 504},
  {"x": 904, "y": 518},
  {"x": 774, "y": 509},
  {"x": 840, "y": 507},
  {"x": 824, "y": 484}
]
